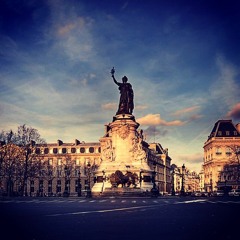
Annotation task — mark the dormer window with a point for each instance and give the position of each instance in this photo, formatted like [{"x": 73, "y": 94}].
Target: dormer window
[
  {"x": 227, "y": 133},
  {"x": 219, "y": 133}
]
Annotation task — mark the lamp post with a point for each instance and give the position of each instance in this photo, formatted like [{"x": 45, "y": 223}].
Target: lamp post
[
  {"x": 89, "y": 193},
  {"x": 140, "y": 178},
  {"x": 154, "y": 175},
  {"x": 183, "y": 182},
  {"x": 79, "y": 183},
  {"x": 173, "y": 187},
  {"x": 104, "y": 179},
  {"x": 154, "y": 190}
]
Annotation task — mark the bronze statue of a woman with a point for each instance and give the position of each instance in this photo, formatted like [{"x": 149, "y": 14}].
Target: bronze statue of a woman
[{"x": 126, "y": 95}]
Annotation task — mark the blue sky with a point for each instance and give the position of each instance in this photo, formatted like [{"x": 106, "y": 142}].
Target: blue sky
[{"x": 181, "y": 57}]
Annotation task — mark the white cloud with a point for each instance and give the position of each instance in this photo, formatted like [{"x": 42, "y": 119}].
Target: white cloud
[{"x": 155, "y": 120}]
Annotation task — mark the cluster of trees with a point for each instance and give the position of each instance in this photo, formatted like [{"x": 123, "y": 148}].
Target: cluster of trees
[
  {"x": 18, "y": 159},
  {"x": 231, "y": 170}
]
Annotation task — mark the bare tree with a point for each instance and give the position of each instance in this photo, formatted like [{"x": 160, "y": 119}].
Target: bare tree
[
  {"x": 20, "y": 155},
  {"x": 235, "y": 160},
  {"x": 30, "y": 142},
  {"x": 10, "y": 158}
]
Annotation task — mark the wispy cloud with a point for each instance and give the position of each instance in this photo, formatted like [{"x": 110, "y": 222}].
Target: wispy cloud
[
  {"x": 156, "y": 120},
  {"x": 109, "y": 106},
  {"x": 225, "y": 88},
  {"x": 186, "y": 110},
  {"x": 234, "y": 112}
]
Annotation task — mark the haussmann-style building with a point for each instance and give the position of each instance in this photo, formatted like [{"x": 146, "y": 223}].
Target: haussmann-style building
[{"x": 221, "y": 165}]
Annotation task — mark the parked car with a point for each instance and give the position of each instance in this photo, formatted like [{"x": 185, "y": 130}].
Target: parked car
[
  {"x": 204, "y": 194},
  {"x": 234, "y": 192},
  {"x": 196, "y": 194},
  {"x": 218, "y": 193},
  {"x": 199, "y": 194}
]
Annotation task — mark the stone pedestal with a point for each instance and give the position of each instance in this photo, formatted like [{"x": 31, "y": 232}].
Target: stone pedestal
[{"x": 124, "y": 159}]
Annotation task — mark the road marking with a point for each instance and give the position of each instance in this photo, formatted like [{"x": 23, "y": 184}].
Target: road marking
[
  {"x": 123, "y": 201},
  {"x": 101, "y": 211},
  {"x": 191, "y": 201},
  {"x": 82, "y": 201},
  {"x": 134, "y": 201},
  {"x": 102, "y": 200}
]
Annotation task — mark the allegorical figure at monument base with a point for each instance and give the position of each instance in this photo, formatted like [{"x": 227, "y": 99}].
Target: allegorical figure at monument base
[{"x": 126, "y": 104}]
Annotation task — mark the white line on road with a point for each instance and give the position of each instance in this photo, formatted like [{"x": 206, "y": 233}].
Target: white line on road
[{"x": 100, "y": 211}]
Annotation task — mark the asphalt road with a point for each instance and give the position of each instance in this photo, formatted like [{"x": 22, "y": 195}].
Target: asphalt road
[{"x": 110, "y": 218}]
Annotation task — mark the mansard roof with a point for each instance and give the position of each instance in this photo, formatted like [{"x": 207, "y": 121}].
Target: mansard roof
[{"x": 224, "y": 128}]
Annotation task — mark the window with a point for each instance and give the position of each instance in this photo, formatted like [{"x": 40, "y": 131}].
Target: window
[
  {"x": 55, "y": 150},
  {"x": 50, "y": 161},
  {"x": 77, "y": 162},
  {"x": 73, "y": 150},
  {"x": 64, "y": 150},
  {"x": 38, "y": 151},
  {"x": 91, "y": 150},
  {"x": 219, "y": 133},
  {"x": 59, "y": 189},
  {"x": 82, "y": 150},
  {"x": 235, "y": 133},
  {"x": 218, "y": 151},
  {"x": 59, "y": 162},
  {"x": 46, "y": 150},
  {"x": 227, "y": 133},
  {"x": 59, "y": 172},
  {"x": 228, "y": 151}
]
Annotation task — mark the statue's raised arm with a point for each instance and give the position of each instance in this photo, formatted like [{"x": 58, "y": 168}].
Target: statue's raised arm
[
  {"x": 112, "y": 72},
  {"x": 126, "y": 95}
]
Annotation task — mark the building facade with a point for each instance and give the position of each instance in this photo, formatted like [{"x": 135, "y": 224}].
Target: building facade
[
  {"x": 221, "y": 157},
  {"x": 68, "y": 169}
]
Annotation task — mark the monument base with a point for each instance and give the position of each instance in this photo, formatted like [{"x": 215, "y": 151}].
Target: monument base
[{"x": 124, "y": 169}]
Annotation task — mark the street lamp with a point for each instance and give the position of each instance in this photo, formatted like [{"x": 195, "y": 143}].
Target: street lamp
[
  {"x": 103, "y": 179},
  {"x": 173, "y": 187},
  {"x": 89, "y": 193},
  {"x": 154, "y": 175},
  {"x": 182, "y": 187},
  {"x": 79, "y": 183},
  {"x": 154, "y": 190}
]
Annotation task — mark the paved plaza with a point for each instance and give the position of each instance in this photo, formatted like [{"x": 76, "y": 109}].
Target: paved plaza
[{"x": 119, "y": 218}]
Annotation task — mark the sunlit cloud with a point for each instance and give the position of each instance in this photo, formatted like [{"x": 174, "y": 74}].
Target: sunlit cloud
[
  {"x": 234, "y": 112},
  {"x": 155, "y": 120},
  {"x": 186, "y": 110},
  {"x": 109, "y": 106},
  {"x": 141, "y": 107},
  {"x": 77, "y": 25}
]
